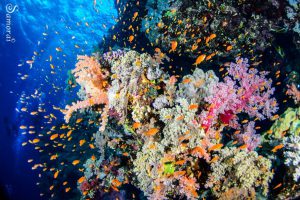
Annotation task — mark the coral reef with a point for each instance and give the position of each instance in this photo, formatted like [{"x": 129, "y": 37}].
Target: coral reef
[
  {"x": 163, "y": 134},
  {"x": 217, "y": 27}
]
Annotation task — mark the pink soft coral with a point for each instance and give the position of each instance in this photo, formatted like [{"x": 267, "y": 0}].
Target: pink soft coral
[
  {"x": 248, "y": 137},
  {"x": 243, "y": 90},
  {"x": 92, "y": 79}
]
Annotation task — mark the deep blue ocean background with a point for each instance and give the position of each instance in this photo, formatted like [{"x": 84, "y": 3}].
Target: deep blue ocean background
[{"x": 39, "y": 26}]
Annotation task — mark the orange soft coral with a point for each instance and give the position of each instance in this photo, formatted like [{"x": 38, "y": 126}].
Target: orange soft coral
[{"x": 93, "y": 80}]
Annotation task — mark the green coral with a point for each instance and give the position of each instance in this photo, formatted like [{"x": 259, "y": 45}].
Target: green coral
[{"x": 288, "y": 122}]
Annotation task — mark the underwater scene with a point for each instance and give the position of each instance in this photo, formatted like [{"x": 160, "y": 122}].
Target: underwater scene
[{"x": 150, "y": 100}]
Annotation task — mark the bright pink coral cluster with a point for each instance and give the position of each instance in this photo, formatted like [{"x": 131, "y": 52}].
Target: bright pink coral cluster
[{"x": 244, "y": 90}]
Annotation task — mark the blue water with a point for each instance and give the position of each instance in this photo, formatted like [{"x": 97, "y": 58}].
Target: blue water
[{"x": 40, "y": 26}]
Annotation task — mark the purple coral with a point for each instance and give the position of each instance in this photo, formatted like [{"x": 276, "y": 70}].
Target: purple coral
[{"x": 113, "y": 55}]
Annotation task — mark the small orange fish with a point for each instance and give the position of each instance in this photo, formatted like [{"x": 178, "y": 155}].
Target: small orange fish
[
  {"x": 93, "y": 157},
  {"x": 215, "y": 159},
  {"x": 277, "y": 186},
  {"x": 91, "y": 146},
  {"x": 69, "y": 133},
  {"x": 215, "y": 147},
  {"x": 198, "y": 150},
  {"x": 131, "y": 38},
  {"x": 135, "y": 16},
  {"x": 136, "y": 125},
  {"x": 200, "y": 59},
  {"x": 180, "y": 162},
  {"x": 34, "y": 113},
  {"x": 76, "y": 162},
  {"x": 228, "y": 48},
  {"x": 54, "y": 136},
  {"x": 186, "y": 80},
  {"x": 180, "y": 118},
  {"x": 280, "y": 146},
  {"x": 194, "y": 47},
  {"x": 115, "y": 182},
  {"x": 34, "y": 141},
  {"x": 81, "y": 142},
  {"x": 174, "y": 45},
  {"x": 179, "y": 173},
  {"x": 53, "y": 157},
  {"x": 81, "y": 179},
  {"x": 243, "y": 146},
  {"x": 193, "y": 106},
  {"x": 79, "y": 120},
  {"x": 245, "y": 121},
  {"x": 151, "y": 132},
  {"x": 56, "y": 174},
  {"x": 211, "y": 37}
]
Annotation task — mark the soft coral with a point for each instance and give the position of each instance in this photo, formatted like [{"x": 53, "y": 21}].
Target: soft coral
[{"x": 244, "y": 90}]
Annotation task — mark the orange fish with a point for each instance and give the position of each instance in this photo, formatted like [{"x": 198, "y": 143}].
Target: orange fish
[
  {"x": 69, "y": 133},
  {"x": 228, "y": 48},
  {"x": 91, "y": 146},
  {"x": 151, "y": 132},
  {"x": 277, "y": 186},
  {"x": 211, "y": 37},
  {"x": 179, "y": 173},
  {"x": 115, "y": 182},
  {"x": 193, "y": 106},
  {"x": 180, "y": 118},
  {"x": 215, "y": 147},
  {"x": 56, "y": 174},
  {"x": 79, "y": 120},
  {"x": 198, "y": 150},
  {"x": 76, "y": 162},
  {"x": 53, "y": 157},
  {"x": 135, "y": 16},
  {"x": 67, "y": 189},
  {"x": 194, "y": 47},
  {"x": 186, "y": 80},
  {"x": 280, "y": 146},
  {"x": 200, "y": 59},
  {"x": 34, "y": 141},
  {"x": 54, "y": 136},
  {"x": 81, "y": 179},
  {"x": 234, "y": 142},
  {"x": 131, "y": 38},
  {"x": 243, "y": 146},
  {"x": 174, "y": 45},
  {"x": 136, "y": 125},
  {"x": 215, "y": 159},
  {"x": 180, "y": 162},
  {"x": 81, "y": 142}
]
